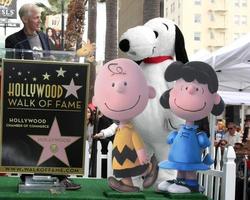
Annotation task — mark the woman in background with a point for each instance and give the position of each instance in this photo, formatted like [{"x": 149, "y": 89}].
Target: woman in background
[
  {"x": 90, "y": 126},
  {"x": 50, "y": 32}
]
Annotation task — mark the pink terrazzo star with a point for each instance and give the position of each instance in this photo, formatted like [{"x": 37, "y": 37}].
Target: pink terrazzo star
[{"x": 54, "y": 144}]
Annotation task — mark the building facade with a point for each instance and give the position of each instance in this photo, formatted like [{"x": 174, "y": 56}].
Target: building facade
[{"x": 209, "y": 24}]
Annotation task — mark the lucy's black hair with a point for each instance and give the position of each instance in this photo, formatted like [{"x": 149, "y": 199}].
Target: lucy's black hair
[{"x": 195, "y": 70}]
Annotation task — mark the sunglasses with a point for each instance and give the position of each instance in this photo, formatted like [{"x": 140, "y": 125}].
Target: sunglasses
[{"x": 230, "y": 128}]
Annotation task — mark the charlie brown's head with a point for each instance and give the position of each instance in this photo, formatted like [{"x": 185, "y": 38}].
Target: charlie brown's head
[{"x": 121, "y": 91}]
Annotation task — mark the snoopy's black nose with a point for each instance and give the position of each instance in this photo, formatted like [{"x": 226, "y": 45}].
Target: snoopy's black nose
[{"x": 124, "y": 45}]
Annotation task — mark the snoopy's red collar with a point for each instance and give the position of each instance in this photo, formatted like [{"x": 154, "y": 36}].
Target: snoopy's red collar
[{"x": 157, "y": 59}]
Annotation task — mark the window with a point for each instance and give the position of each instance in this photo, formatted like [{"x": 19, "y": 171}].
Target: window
[
  {"x": 197, "y": 36},
  {"x": 236, "y": 36},
  {"x": 212, "y": 1},
  {"x": 197, "y": 2},
  {"x": 179, "y": 20},
  {"x": 197, "y": 18},
  {"x": 179, "y": 3},
  {"x": 237, "y": 3},
  {"x": 244, "y": 19},
  {"x": 173, "y": 7},
  {"x": 236, "y": 19},
  {"x": 211, "y": 17},
  {"x": 166, "y": 12},
  {"x": 196, "y": 50},
  {"x": 211, "y": 35},
  {"x": 217, "y": 48},
  {"x": 244, "y": 3},
  {"x": 222, "y": 35}
]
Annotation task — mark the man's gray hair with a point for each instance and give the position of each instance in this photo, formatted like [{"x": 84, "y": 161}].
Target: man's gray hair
[{"x": 26, "y": 9}]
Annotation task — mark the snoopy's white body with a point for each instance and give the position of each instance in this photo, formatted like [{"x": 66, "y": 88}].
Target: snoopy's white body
[{"x": 155, "y": 123}]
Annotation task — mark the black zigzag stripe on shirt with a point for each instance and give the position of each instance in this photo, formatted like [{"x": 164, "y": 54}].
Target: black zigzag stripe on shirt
[{"x": 126, "y": 153}]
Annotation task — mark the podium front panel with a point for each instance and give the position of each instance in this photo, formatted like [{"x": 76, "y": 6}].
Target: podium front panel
[{"x": 43, "y": 125}]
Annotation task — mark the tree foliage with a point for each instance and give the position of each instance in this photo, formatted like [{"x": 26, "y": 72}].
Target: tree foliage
[
  {"x": 75, "y": 24},
  {"x": 55, "y": 7}
]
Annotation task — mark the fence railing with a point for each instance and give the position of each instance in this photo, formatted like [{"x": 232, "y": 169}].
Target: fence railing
[
  {"x": 219, "y": 182},
  {"x": 99, "y": 159}
]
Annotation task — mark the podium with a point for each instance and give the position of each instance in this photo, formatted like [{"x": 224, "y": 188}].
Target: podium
[
  {"x": 41, "y": 183},
  {"x": 43, "y": 110}
]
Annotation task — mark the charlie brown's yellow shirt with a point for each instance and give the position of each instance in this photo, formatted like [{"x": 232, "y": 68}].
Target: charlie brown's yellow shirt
[{"x": 126, "y": 142}]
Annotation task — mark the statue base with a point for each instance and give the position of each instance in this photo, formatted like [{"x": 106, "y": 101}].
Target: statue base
[{"x": 41, "y": 183}]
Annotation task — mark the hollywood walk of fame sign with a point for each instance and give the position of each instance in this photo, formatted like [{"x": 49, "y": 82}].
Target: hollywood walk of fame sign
[{"x": 43, "y": 117}]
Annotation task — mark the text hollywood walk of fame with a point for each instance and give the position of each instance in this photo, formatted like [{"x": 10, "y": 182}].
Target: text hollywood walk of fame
[{"x": 28, "y": 95}]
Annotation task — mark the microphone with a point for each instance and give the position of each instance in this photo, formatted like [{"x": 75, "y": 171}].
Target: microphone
[
  {"x": 25, "y": 40},
  {"x": 22, "y": 49}
]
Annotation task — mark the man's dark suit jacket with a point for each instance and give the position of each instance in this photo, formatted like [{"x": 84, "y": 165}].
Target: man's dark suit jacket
[{"x": 19, "y": 41}]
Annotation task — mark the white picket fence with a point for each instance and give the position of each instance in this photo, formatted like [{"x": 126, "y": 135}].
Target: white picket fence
[
  {"x": 100, "y": 156},
  {"x": 219, "y": 182}
]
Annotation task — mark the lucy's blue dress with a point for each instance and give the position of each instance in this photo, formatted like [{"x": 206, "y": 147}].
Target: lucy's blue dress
[{"x": 186, "y": 150}]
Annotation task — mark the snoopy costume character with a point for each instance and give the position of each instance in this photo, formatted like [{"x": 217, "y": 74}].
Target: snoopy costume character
[{"x": 154, "y": 45}]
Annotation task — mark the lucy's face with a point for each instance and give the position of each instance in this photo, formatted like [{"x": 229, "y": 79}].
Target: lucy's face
[{"x": 191, "y": 100}]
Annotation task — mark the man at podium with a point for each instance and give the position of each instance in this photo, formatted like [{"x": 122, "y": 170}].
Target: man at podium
[{"x": 32, "y": 38}]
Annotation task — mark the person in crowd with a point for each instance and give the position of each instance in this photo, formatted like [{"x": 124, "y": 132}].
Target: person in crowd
[
  {"x": 90, "y": 126},
  {"x": 232, "y": 136},
  {"x": 58, "y": 38},
  {"x": 239, "y": 130},
  {"x": 103, "y": 123},
  {"x": 220, "y": 132},
  {"x": 107, "y": 132},
  {"x": 32, "y": 38},
  {"x": 246, "y": 130},
  {"x": 50, "y": 32}
]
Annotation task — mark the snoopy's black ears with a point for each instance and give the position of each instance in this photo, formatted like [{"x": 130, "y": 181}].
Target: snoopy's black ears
[
  {"x": 180, "y": 51},
  {"x": 138, "y": 62}
]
